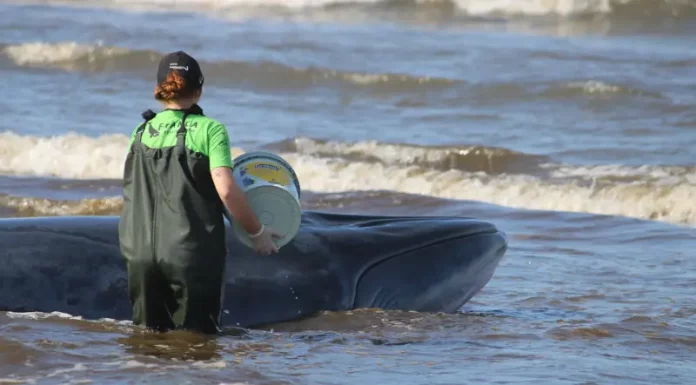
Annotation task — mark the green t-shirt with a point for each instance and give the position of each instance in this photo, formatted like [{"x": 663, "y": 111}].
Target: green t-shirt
[{"x": 203, "y": 134}]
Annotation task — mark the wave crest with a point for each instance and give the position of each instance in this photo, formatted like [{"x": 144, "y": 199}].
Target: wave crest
[
  {"x": 71, "y": 56},
  {"x": 474, "y": 158},
  {"x": 656, "y": 192}
]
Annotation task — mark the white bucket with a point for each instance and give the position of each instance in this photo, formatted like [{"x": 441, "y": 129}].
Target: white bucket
[{"x": 273, "y": 192}]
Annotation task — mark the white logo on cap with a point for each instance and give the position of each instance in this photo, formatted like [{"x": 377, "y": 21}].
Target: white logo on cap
[{"x": 177, "y": 67}]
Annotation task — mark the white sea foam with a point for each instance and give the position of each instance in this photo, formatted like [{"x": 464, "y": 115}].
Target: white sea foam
[
  {"x": 661, "y": 193},
  {"x": 41, "y": 53}
]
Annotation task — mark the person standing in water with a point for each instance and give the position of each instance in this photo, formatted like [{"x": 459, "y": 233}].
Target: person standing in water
[{"x": 177, "y": 181}]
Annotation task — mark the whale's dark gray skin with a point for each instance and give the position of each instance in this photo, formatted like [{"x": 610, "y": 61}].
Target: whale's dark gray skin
[{"x": 336, "y": 262}]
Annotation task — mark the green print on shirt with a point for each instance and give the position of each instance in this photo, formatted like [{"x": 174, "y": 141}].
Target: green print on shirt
[
  {"x": 167, "y": 127},
  {"x": 203, "y": 134}
]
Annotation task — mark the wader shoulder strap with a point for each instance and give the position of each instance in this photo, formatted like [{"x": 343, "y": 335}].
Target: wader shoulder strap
[
  {"x": 181, "y": 133},
  {"x": 148, "y": 116}
]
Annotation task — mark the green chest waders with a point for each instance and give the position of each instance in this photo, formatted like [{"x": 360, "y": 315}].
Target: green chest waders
[{"x": 172, "y": 235}]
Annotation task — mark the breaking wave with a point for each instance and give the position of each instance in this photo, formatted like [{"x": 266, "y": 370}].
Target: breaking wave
[
  {"x": 72, "y": 56},
  {"x": 492, "y": 175},
  {"x": 266, "y": 75}
]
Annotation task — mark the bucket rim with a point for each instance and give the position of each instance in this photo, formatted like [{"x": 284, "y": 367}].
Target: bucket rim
[{"x": 273, "y": 187}]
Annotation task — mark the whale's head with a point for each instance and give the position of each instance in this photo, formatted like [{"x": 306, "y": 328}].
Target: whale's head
[
  {"x": 421, "y": 264},
  {"x": 344, "y": 262}
]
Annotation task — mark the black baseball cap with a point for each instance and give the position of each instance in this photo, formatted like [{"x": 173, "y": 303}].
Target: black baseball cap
[{"x": 185, "y": 64}]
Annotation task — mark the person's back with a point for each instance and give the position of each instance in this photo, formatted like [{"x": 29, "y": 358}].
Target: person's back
[
  {"x": 203, "y": 135},
  {"x": 177, "y": 180}
]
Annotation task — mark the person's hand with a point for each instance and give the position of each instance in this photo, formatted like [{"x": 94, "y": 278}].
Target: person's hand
[{"x": 263, "y": 243}]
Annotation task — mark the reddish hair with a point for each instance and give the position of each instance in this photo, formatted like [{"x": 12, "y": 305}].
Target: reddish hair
[{"x": 174, "y": 87}]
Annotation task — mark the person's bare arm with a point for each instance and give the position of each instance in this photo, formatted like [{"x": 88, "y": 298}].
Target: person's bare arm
[{"x": 235, "y": 200}]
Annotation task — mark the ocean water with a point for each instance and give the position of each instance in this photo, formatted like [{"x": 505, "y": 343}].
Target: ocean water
[{"x": 571, "y": 125}]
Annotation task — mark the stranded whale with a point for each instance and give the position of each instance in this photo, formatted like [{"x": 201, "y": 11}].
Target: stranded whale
[{"x": 336, "y": 262}]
